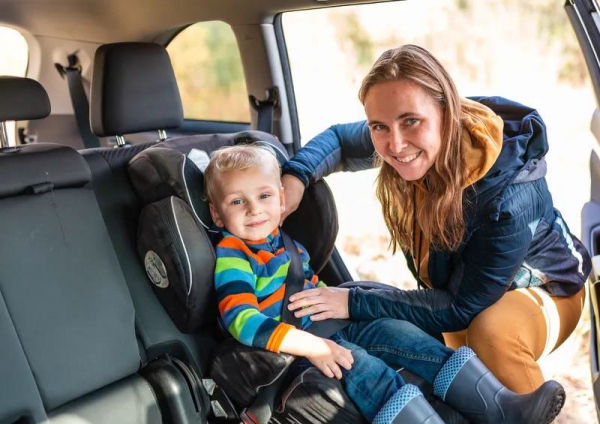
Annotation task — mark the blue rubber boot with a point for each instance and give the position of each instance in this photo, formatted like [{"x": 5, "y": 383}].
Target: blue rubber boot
[
  {"x": 407, "y": 406},
  {"x": 469, "y": 387}
]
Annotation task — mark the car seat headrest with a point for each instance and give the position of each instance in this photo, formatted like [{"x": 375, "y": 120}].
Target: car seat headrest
[
  {"x": 22, "y": 99},
  {"x": 49, "y": 166},
  {"x": 175, "y": 167},
  {"x": 133, "y": 90}
]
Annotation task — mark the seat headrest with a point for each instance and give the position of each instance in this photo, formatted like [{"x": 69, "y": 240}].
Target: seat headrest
[
  {"x": 22, "y": 99},
  {"x": 40, "y": 167},
  {"x": 176, "y": 167},
  {"x": 133, "y": 90}
]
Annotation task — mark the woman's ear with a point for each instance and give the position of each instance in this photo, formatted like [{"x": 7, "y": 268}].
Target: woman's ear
[{"x": 214, "y": 214}]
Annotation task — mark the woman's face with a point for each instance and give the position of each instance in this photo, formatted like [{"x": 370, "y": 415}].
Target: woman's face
[{"x": 406, "y": 126}]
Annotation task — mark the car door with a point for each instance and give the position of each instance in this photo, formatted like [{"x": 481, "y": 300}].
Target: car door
[{"x": 584, "y": 16}]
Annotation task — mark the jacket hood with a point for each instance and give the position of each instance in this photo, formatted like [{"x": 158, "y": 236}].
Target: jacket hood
[
  {"x": 524, "y": 145},
  {"x": 481, "y": 137}
]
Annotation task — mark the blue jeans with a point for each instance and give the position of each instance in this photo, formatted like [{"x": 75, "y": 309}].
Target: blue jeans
[{"x": 381, "y": 347}]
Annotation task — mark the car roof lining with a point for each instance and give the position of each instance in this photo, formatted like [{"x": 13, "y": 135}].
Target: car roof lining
[{"x": 140, "y": 20}]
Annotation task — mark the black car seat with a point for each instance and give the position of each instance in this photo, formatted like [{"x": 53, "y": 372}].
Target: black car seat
[{"x": 69, "y": 351}]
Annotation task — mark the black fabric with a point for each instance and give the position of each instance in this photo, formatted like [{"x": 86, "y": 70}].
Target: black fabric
[
  {"x": 81, "y": 107},
  {"x": 161, "y": 172},
  {"x": 133, "y": 90},
  {"x": 313, "y": 398},
  {"x": 35, "y": 164},
  {"x": 294, "y": 282},
  {"x": 66, "y": 295},
  {"x": 121, "y": 210},
  {"x": 257, "y": 368},
  {"x": 22, "y": 99},
  {"x": 315, "y": 224},
  {"x": 180, "y": 262}
]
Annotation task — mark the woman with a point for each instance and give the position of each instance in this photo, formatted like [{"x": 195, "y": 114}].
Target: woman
[{"x": 463, "y": 195}]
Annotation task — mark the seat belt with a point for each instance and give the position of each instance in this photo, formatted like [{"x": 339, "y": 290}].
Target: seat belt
[
  {"x": 265, "y": 109},
  {"x": 79, "y": 100},
  {"x": 262, "y": 408}
]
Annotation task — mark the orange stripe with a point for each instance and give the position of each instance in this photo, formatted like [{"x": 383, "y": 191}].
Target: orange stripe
[
  {"x": 237, "y": 299},
  {"x": 264, "y": 256},
  {"x": 274, "y": 298},
  {"x": 235, "y": 243},
  {"x": 277, "y": 337}
]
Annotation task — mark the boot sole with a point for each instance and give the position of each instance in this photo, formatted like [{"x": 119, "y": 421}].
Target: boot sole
[{"x": 558, "y": 400}]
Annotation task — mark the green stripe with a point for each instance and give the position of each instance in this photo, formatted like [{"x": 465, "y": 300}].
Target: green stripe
[
  {"x": 227, "y": 263},
  {"x": 263, "y": 282},
  {"x": 235, "y": 329}
]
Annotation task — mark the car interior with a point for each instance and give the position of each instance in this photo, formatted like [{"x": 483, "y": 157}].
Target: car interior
[
  {"x": 105, "y": 168},
  {"x": 84, "y": 335}
]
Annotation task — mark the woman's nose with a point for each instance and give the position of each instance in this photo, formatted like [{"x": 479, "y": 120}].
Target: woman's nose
[{"x": 396, "y": 142}]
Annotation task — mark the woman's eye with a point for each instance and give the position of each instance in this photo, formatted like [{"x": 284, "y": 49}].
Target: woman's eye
[
  {"x": 410, "y": 122},
  {"x": 378, "y": 127}
]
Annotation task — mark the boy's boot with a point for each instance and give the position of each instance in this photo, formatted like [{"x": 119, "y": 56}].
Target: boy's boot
[
  {"x": 468, "y": 386},
  {"x": 407, "y": 406}
]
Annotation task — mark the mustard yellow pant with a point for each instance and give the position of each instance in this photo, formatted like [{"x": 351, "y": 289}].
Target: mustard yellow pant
[{"x": 512, "y": 334}]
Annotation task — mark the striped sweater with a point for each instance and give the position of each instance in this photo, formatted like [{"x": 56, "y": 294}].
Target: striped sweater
[{"x": 250, "y": 283}]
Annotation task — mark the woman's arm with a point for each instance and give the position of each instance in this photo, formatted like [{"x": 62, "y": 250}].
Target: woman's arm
[
  {"x": 345, "y": 147},
  {"x": 484, "y": 274}
]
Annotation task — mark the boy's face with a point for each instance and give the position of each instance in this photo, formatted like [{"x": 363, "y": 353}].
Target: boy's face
[{"x": 248, "y": 202}]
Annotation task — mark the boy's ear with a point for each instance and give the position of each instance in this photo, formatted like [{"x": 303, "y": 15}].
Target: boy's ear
[
  {"x": 282, "y": 198},
  {"x": 215, "y": 215}
]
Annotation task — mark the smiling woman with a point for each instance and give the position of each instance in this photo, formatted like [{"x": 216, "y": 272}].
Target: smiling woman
[{"x": 464, "y": 196}]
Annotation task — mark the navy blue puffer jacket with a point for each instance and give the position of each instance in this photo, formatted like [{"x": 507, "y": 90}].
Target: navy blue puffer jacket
[{"x": 513, "y": 230}]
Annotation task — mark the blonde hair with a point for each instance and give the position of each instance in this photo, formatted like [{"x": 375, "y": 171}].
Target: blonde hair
[
  {"x": 440, "y": 214},
  {"x": 236, "y": 158}
]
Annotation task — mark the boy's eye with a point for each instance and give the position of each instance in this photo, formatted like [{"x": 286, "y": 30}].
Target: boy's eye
[
  {"x": 236, "y": 202},
  {"x": 264, "y": 196}
]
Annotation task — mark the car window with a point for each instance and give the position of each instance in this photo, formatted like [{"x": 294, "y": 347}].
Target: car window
[
  {"x": 15, "y": 53},
  {"x": 531, "y": 56},
  {"x": 13, "y": 61},
  {"x": 209, "y": 73}
]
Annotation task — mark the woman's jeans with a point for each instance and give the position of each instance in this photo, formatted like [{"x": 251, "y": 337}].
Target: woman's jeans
[{"x": 381, "y": 347}]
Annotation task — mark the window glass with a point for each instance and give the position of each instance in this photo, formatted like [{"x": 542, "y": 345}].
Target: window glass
[
  {"x": 13, "y": 61},
  {"x": 209, "y": 73},
  {"x": 15, "y": 52}
]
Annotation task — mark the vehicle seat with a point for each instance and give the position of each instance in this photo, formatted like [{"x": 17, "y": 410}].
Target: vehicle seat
[{"x": 69, "y": 351}]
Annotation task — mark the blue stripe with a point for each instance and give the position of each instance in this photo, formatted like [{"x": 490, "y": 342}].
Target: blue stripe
[{"x": 233, "y": 287}]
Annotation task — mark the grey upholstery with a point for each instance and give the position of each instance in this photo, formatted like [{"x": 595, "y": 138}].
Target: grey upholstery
[
  {"x": 32, "y": 165},
  {"x": 62, "y": 283},
  {"x": 133, "y": 90},
  {"x": 22, "y": 99}
]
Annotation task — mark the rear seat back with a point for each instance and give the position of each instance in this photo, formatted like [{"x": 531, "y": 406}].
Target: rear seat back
[{"x": 69, "y": 351}]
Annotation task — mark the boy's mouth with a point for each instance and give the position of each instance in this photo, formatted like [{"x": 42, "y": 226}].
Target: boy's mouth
[{"x": 256, "y": 224}]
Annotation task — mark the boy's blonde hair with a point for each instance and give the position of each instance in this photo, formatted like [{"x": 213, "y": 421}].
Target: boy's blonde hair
[{"x": 236, "y": 158}]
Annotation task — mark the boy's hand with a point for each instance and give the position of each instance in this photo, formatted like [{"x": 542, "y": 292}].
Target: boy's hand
[{"x": 328, "y": 357}]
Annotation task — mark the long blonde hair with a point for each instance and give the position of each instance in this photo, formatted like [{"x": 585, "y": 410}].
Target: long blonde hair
[{"x": 440, "y": 213}]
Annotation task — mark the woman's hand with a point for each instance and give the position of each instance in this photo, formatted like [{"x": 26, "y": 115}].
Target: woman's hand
[
  {"x": 322, "y": 303},
  {"x": 293, "y": 190}
]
